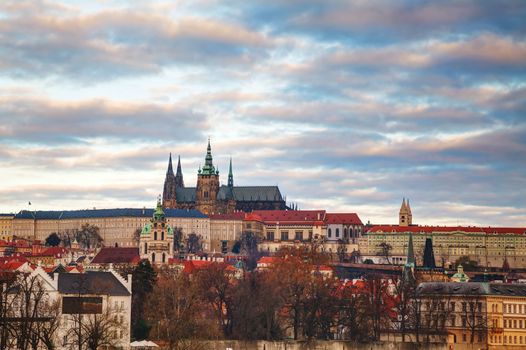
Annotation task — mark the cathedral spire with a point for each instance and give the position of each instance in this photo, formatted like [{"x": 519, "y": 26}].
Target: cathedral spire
[
  {"x": 179, "y": 182},
  {"x": 230, "y": 175},
  {"x": 208, "y": 168},
  {"x": 170, "y": 170}
]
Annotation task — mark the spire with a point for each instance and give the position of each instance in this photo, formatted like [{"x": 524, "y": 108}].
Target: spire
[
  {"x": 403, "y": 206},
  {"x": 408, "y": 207},
  {"x": 179, "y": 182},
  {"x": 208, "y": 168},
  {"x": 410, "y": 252},
  {"x": 230, "y": 175},
  {"x": 170, "y": 170}
]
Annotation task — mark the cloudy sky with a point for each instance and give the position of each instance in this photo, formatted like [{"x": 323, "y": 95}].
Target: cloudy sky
[{"x": 346, "y": 105}]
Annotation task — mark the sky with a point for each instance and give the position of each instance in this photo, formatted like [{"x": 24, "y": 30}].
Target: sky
[{"x": 348, "y": 106}]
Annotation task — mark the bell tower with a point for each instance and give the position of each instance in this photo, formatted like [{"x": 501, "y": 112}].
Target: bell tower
[
  {"x": 405, "y": 218},
  {"x": 207, "y": 185}
]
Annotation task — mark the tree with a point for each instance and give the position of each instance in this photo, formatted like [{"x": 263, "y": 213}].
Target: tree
[
  {"x": 341, "y": 250},
  {"x": 53, "y": 240},
  {"x": 95, "y": 330},
  {"x": 143, "y": 280},
  {"x": 248, "y": 245},
  {"x": 178, "y": 239},
  {"x": 216, "y": 290},
  {"x": 193, "y": 244},
  {"x": 379, "y": 304},
  {"x": 88, "y": 236},
  {"x": 404, "y": 289},
  {"x": 137, "y": 236},
  {"x": 47, "y": 331},
  {"x": 467, "y": 263},
  {"x": 177, "y": 313},
  {"x": 385, "y": 251},
  {"x": 352, "y": 316}
]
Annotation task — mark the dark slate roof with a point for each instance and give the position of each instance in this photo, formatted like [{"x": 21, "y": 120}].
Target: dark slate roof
[
  {"x": 471, "y": 288},
  {"x": 8, "y": 215},
  {"x": 257, "y": 193},
  {"x": 239, "y": 193},
  {"x": 91, "y": 282},
  {"x": 185, "y": 194},
  {"x": 117, "y": 255},
  {"x": 105, "y": 213}
]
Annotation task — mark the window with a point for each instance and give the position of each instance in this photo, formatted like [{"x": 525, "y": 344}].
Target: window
[
  {"x": 154, "y": 235},
  {"x": 464, "y": 306},
  {"x": 162, "y": 235},
  {"x": 337, "y": 233},
  {"x": 284, "y": 235},
  {"x": 464, "y": 337},
  {"x": 330, "y": 233},
  {"x": 270, "y": 235},
  {"x": 452, "y": 306},
  {"x": 298, "y": 235}
]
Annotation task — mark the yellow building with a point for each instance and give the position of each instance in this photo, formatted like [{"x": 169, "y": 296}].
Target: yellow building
[
  {"x": 488, "y": 315},
  {"x": 6, "y": 227}
]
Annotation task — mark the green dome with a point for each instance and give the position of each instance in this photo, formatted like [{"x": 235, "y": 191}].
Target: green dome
[{"x": 147, "y": 229}]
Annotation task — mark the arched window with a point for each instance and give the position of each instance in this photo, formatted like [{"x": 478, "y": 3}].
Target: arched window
[
  {"x": 164, "y": 258},
  {"x": 162, "y": 235},
  {"x": 153, "y": 257},
  {"x": 145, "y": 248},
  {"x": 345, "y": 234},
  {"x": 154, "y": 235},
  {"x": 330, "y": 233},
  {"x": 337, "y": 233}
]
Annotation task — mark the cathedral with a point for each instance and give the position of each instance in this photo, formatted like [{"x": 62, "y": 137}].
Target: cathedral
[{"x": 210, "y": 197}]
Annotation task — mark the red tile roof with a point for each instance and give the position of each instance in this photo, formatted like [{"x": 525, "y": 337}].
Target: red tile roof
[
  {"x": 291, "y": 217},
  {"x": 431, "y": 229},
  {"x": 343, "y": 218},
  {"x": 57, "y": 252},
  {"x": 234, "y": 216},
  {"x": 117, "y": 255}
]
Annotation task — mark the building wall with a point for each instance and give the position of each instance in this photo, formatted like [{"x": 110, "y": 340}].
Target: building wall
[
  {"x": 114, "y": 230},
  {"x": 224, "y": 230},
  {"x": 487, "y": 249},
  {"x": 6, "y": 227}
]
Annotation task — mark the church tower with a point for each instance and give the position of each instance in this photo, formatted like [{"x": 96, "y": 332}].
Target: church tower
[
  {"x": 207, "y": 185},
  {"x": 156, "y": 239},
  {"x": 405, "y": 218},
  {"x": 179, "y": 182},
  {"x": 170, "y": 185}
]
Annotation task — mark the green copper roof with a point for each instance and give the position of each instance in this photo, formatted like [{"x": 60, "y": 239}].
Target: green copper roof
[
  {"x": 158, "y": 214},
  {"x": 208, "y": 168},
  {"x": 147, "y": 229}
]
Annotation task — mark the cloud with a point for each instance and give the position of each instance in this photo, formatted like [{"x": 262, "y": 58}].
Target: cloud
[
  {"x": 119, "y": 42},
  {"x": 44, "y": 120}
]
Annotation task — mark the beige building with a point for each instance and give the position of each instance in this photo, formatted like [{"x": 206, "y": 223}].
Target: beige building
[
  {"x": 117, "y": 226},
  {"x": 225, "y": 230},
  {"x": 488, "y": 246}
]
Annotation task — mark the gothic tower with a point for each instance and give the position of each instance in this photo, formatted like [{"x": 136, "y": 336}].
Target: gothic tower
[
  {"x": 405, "y": 218},
  {"x": 179, "y": 182},
  {"x": 207, "y": 185},
  {"x": 170, "y": 185}
]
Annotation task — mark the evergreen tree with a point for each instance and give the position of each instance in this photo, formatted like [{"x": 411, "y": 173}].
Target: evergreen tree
[{"x": 143, "y": 280}]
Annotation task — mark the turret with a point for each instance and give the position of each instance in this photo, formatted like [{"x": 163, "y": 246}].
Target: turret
[{"x": 207, "y": 184}]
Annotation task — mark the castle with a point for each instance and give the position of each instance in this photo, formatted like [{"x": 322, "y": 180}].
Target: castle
[{"x": 210, "y": 197}]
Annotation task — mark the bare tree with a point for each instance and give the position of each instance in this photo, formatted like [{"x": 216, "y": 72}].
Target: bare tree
[
  {"x": 385, "y": 251},
  {"x": 47, "y": 331},
  {"x": 193, "y": 244}
]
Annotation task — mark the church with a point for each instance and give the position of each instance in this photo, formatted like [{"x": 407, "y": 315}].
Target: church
[{"x": 209, "y": 197}]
